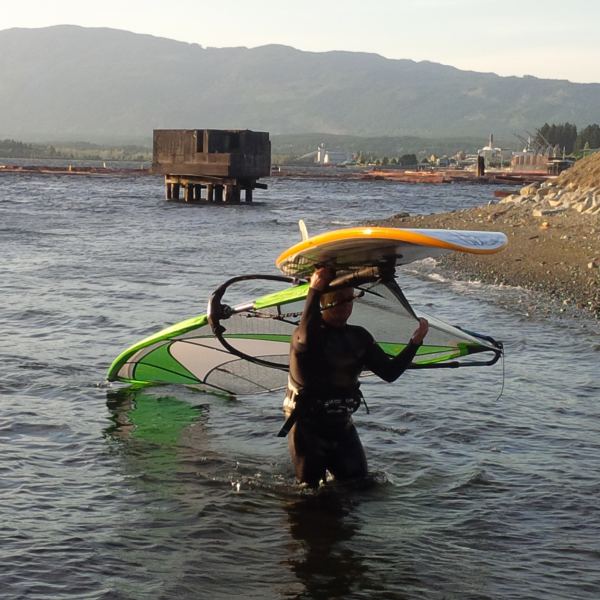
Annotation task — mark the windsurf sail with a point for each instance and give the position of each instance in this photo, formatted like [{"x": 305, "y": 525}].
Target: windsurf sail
[{"x": 244, "y": 349}]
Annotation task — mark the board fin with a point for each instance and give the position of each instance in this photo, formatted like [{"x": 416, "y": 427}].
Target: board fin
[{"x": 303, "y": 230}]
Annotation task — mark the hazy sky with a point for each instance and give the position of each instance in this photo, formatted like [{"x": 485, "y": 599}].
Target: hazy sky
[{"x": 556, "y": 39}]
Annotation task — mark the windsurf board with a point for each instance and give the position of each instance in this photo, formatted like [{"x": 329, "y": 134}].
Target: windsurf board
[{"x": 348, "y": 249}]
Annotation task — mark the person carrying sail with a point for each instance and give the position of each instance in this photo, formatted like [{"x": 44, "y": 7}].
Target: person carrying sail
[{"x": 327, "y": 356}]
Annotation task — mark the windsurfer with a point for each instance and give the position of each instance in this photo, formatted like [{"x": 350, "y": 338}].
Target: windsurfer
[{"x": 327, "y": 356}]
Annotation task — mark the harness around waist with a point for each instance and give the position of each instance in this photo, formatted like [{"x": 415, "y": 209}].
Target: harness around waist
[
  {"x": 324, "y": 405},
  {"x": 297, "y": 405}
]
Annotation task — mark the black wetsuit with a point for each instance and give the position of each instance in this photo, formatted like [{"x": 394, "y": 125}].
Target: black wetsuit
[{"x": 325, "y": 363}]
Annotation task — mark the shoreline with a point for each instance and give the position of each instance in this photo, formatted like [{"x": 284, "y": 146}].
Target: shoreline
[
  {"x": 443, "y": 175},
  {"x": 71, "y": 170},
  {"x": 555, "y": 255},
  {"x": 429, "y": 175}
]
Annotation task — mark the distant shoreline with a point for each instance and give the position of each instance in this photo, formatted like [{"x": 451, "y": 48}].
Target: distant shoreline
[
  {"x": 430, "y": 176},
  {"x": 71, "y": 170},
  {"x": 436, "y": 175}
]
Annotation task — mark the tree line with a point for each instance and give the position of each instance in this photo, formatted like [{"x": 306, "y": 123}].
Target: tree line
[
  {"x": 567, "y": 138},
  {"x": 78, "y": 151},
  {"x": 15, "y": 149},
  {"x": 406, "y": 160}
]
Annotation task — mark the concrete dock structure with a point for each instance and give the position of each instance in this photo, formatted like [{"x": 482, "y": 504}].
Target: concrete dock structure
[{"x": 211, "y": 165}]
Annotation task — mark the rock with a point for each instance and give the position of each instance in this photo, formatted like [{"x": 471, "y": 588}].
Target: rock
[
  {"x": 530, "y": 190},
  {"x": 543, "y": 192},
  {"x": 542, "y": 212},
  {"x": 583, "y": 205}
]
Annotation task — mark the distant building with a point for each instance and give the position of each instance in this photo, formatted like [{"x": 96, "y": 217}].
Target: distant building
[
  {"x": 493, "y": 156},
  {"x": 555, "y": 166},
  {"x": 530, "y": 159},
  {"x": 330, "y": 157}
]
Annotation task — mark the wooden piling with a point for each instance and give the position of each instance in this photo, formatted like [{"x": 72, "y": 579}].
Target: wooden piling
[
  {"x": 227, "y": 190},
  {"x": 232, "y": 194},
  {"x": 480, "y": 166}
]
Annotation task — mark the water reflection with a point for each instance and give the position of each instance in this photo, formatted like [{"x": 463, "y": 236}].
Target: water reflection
[
  {"x": 332, "y": 558},
  {"x": 324, "y": 562},
  {"x": 161, "y": 439},
  {"x": 160, "y": 420}
]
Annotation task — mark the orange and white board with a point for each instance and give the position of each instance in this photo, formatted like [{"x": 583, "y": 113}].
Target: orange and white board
[{"x": 352, "y": 248}]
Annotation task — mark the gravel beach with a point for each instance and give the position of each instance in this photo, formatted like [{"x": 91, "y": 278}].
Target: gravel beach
[
  {"x": 557, "y": 254},
  {"x": 553, "y": 232}
]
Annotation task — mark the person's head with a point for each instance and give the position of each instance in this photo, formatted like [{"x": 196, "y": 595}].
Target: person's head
[{"x": 337, "y": 306}]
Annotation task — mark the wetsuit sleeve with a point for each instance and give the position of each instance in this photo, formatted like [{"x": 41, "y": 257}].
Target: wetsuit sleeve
[
  {"x": 307, "y": 330},
  {"x": 386, "y": 367}
]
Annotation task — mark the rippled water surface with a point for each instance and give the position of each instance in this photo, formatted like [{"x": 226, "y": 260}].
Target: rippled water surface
[{"x": 109, "y": 492}]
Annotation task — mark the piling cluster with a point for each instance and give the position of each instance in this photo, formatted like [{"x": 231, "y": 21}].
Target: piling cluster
[{"x": 211, "y": 190}]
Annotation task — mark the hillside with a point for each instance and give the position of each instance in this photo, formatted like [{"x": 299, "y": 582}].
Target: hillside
[{"x": 69, "y": 82}]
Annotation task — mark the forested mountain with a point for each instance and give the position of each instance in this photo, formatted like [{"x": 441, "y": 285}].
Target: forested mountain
[{"x": 69, "y": 82}]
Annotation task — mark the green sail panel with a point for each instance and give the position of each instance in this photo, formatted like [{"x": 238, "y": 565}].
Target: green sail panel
[
  {"x": 260, "y": 330},
  {"x": 159, "y": 365}
]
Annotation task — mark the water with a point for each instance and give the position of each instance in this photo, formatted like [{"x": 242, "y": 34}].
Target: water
[{"x": 474, "y": 497}]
